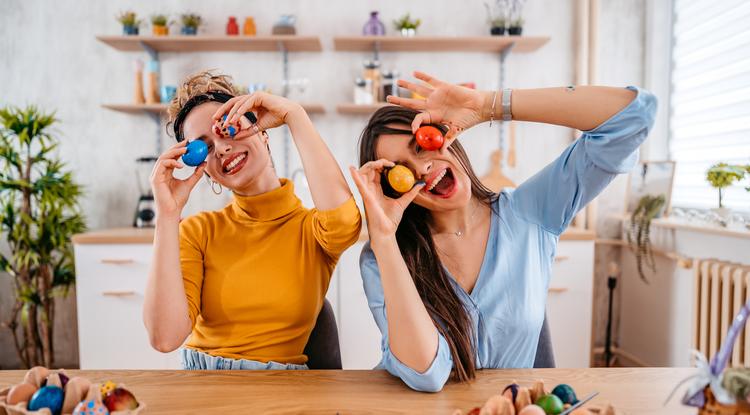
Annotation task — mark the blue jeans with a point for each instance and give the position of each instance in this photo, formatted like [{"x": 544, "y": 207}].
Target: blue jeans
[{"x": 195, "y": 360}]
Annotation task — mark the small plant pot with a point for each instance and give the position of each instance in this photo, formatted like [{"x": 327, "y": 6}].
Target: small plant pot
[
  {"x": 160, "y": 30},
  {"x": 408, "y": 32},
  {"x": 129, "y": 30},
  {"x": 515, "y": 30},
  {"x": 497, "y": 30},
  {"x": 189, "y": 30}
]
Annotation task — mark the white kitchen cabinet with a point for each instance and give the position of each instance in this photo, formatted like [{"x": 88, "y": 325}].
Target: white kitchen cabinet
[{"x": 111, "y": 281}]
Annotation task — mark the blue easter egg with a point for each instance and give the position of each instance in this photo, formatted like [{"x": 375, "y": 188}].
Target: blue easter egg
[
  {"x": 565, "y": 393},
  {"x": 47, "y": 397},
  {"x": 197, "y": 151}
]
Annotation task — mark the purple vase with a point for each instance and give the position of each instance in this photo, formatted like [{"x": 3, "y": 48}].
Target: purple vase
[{"x": 373, "y": 27}]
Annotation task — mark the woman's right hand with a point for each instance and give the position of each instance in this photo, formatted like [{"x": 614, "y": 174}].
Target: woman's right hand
[
  {"x": 170, "y": 193},
  {"x": 383, "y": 213}
]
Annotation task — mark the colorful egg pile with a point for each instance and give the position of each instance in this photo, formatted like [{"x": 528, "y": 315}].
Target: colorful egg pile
[
  {"x": 55, "y": 393},
  {"x": 536, "y": 400}
]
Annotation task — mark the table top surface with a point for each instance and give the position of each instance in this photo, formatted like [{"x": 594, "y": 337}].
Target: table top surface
[{"x": 629, "y": 390}]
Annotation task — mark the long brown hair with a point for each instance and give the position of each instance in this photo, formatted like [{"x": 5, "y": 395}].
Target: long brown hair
[{"x": 418, "y": 248}]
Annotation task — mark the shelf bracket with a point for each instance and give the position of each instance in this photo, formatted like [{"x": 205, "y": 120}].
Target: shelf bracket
[
  {"x": 503, "y": 55},
  {"x": 285, "y": 93}
]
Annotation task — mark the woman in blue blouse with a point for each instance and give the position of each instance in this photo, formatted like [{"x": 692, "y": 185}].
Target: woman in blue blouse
[{"x": 456, "y": 276}]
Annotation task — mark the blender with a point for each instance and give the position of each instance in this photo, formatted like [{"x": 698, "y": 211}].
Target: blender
[{"x": 145, "y": 213}]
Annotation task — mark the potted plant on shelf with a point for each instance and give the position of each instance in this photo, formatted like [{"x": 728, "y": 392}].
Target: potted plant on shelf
[
  {"x": 406, "y": 26},
  {"x": 160, "y": 25},
  {"x": 639, "y": 233},
  {"x": 129, "y": 23},
  {"x": 721, "y": 176},
  {"x": 190, "y": 23},
  {"x": 496, "y": 18},
  {"x": 515, "y": 20},
  {"x": 516, "y": 26},
  {"x": 39, "y": 213}
]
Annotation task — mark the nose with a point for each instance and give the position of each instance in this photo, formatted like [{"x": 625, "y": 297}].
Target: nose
[
  {"x": 223, "y": 147},
  {"x": 422, "y": 166}
]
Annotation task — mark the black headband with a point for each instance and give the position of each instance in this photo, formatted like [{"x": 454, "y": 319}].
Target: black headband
[{"x": 215, "y": 96}]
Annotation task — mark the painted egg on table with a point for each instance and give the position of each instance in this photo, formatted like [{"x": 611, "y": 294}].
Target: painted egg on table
[
  {"x": 531, "y": 410},
  {"x": 107, "y": 387},
  {"x": 551, "y": 404},
  {"x": 36, "y": 375},
  {"x": 50, "y": 397},
  {"x": 20, "y": 393},
  {"x": 565, "y": 393},
  {"x": 90, "y": 407},
  {"x": 120, "y": 399}
]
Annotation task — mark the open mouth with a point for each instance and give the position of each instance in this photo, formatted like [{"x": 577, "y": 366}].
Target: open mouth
[
  {"x": 443, "y": 184},
  {"x": 234, "y": 163}
]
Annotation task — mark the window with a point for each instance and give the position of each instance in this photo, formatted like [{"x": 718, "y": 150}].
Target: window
[{"x": 710, "y": 98}]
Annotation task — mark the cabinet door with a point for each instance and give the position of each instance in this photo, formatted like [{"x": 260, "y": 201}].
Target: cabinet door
[
  {"x": 358, "y": 333},
  {"x": 111, "y": 280},
  {"x": 570, "y": 302}
]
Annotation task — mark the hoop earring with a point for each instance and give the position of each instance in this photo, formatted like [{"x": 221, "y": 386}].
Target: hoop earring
[{"x": 213, "y": 188}]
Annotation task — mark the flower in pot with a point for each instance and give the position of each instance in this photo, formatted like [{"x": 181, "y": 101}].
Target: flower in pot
[
  {"x": 406, "y": 25},
  {"x": 516, "y": 26},
  {"x": 190, "y": 23},
  {"x": 721, "y": 176},
  {"x": 160, "y": 25},
  {"x": 129, "y": 23}
]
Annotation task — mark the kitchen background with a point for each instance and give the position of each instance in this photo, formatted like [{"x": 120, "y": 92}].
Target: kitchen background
[{"x": 51, "y": 58}]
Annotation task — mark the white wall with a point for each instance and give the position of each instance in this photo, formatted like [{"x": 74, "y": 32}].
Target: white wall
[{"x": 51, "y": 58}]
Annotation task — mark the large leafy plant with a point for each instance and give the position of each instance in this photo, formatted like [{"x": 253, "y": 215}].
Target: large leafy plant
[
  {"x": 39, "y": 212},
  {"x": 639, "y": 234}
]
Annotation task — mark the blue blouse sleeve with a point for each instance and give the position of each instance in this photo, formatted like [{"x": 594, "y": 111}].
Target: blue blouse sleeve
[
  {"x": 552, "y": 197},
  {"x": 433, "y": 379}
]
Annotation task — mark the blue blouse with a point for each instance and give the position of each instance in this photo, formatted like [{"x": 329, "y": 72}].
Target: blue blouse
[{"x": 507, "y": 303}]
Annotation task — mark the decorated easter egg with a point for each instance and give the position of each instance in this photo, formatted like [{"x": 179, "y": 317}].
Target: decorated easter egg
[
  {"x": 20, "y": 393},
  {"x": 50, "y": 397},
  {"x": 531, "y": 410},
  {"x": 120, "y": 399},
  {"x": 551, "y": 404},
  {"x": 90, "y": 407},
  {"x": 401, "y": 178},
  {"x": 75, "y": 392},
  {"x": 106, "y": 388},
  {"x": 36, "y": 375},
  {"x": 197, "y": 151},
  {"x": 565, "y": 393}
]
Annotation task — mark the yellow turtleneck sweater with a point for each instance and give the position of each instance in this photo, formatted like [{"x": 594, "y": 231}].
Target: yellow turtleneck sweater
[{"x": 256, "y": 273}]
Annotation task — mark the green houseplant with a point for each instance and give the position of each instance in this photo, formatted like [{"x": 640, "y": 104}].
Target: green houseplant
[
  {"x": 190, "y": 23},
  {"x": 130, "y": 22},
  {"x": 723, "y": 175},
  {"x": 639, "y": 233},
  {"x": 160, "y": 24},
  {"x": 39, "y": 212},
  {"x": 406, "y": 25}
]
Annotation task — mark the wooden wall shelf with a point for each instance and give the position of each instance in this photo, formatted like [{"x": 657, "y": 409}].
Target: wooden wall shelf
[
  {"x": 438, "y": 43},
  {"x": 359, "y": 108},
  {"x": 177, "y": 43},
  {"x": 311, "y": 108}
]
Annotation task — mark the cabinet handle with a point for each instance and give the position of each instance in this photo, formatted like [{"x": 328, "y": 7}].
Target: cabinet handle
[
  {"x": 561, "y": 258},
  {"x": 557, "y": 290},
  {"x": 118, "y": 293},
  {"x": 115, "y": 261}
]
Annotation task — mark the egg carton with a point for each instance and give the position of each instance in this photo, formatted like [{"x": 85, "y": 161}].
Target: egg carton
[{"x": 93, "y": 394}]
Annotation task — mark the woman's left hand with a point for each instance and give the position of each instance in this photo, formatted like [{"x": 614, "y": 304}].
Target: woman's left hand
[
  {"x": 271, "y": 110},
  {"x": 458, "y": 107}
]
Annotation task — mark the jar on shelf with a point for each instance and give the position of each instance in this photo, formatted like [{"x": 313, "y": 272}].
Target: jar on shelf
[
  {"x": 390, "y": 84},
  {"x": 248, "y": 29},
  {"x": 363, "y": 92},
  {"x": 372, "y": 72},
  {"x": 232, "y": 28}
]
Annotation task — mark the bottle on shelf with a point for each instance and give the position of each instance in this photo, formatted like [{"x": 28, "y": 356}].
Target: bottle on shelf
[
  {"x": 373, "y": 27},
  {"x": 248, "y": 29},
  {"x": 372, "y": 72},
  {"x": 363, "y": 92},
  {"x": 232, "y": 28},
  {"x": 152, "y": 82},
  {"x": 138, "y": 97},
  {"x": 390, "y": 85}
]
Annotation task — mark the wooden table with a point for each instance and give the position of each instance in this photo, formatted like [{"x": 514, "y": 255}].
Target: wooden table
[{"x": 630, "y": 390}]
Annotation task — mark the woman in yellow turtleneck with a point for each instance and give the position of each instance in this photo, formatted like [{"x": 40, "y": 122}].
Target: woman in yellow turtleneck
[{"x": 246, "y": 282}]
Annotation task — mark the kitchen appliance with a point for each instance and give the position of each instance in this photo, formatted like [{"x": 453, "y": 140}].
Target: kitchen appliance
[{"x": 145, "y": 210}]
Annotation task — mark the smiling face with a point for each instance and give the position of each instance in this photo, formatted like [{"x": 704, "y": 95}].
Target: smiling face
[
  {"x": 233, "y": 163},
  {"x": 448, "y": 186}
]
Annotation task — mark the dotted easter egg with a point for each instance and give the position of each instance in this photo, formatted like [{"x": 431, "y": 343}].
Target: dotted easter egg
[{"x": 90, "y": 407}]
